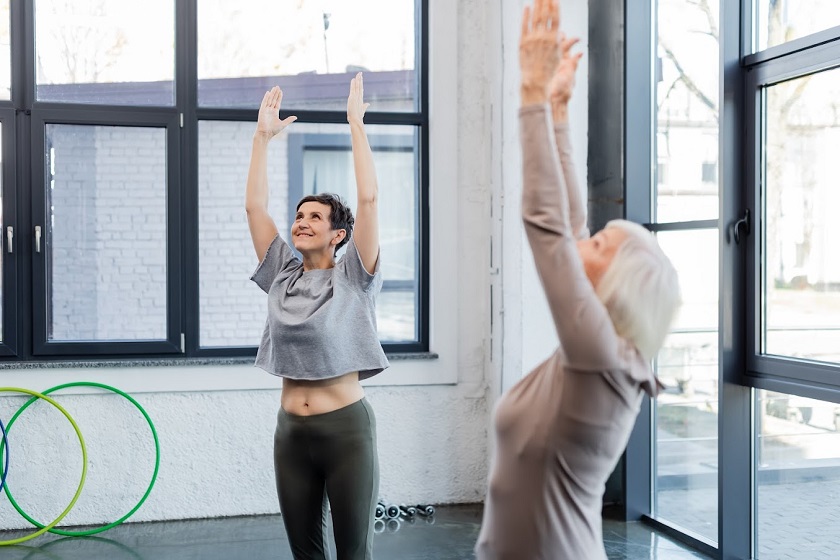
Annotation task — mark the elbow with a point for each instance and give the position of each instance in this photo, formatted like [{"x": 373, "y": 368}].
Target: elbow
[
  {"x": 252, "y": 210},
  {"x": 369, "y": 199},
  {"x": 529, "y": 212}
]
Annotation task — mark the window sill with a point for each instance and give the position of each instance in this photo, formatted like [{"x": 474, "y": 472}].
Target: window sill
[{"x": 176, "y": 362}]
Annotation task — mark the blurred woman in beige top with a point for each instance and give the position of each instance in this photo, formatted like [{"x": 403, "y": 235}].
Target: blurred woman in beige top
[{"x": 561, "y": 430}]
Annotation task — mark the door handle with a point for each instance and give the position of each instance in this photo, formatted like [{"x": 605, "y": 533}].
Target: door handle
[{"x": 738, "y": 226}]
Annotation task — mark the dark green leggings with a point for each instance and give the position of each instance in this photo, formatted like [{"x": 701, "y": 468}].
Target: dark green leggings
[{"x": 333, "y": 457}]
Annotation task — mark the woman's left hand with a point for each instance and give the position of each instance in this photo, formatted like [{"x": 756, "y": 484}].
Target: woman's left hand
[
  {"x": 356, "y": 105},
  {"x": 563, "y": 82}
]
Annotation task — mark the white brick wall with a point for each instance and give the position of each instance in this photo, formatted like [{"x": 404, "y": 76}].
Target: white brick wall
[{"x": 108, "y": 238}]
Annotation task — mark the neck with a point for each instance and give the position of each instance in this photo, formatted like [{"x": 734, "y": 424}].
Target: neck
[{"x": 318, "y": 260}]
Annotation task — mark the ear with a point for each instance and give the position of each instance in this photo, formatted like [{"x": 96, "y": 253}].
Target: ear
[{"x": 339, "y": 236}]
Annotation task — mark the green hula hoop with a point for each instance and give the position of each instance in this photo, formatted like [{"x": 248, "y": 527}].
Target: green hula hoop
[
  {"x": 113, "y": 524},
  {"x": 43, "y": 529}
]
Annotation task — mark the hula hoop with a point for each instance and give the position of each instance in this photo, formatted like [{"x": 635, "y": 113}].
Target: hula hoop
[
  {"x": 113, "y": 524},
  {"x": 4, "y": 446},
  {"x": 45, "y": 528}
]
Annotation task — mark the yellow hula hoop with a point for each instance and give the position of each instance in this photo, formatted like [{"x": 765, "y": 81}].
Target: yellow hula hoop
[{"x": 84, "y": 464}]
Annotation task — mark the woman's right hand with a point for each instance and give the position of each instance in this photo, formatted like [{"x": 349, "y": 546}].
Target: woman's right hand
[
  {"x": 539, "y": 51},
  {"x": 269, "y": 123}
]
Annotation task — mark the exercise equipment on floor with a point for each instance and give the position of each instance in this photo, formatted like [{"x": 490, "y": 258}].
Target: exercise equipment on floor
[{"x": 388, "y": 516}]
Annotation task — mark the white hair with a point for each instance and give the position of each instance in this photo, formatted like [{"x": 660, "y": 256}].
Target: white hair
[{"x": 640, "y": 289}]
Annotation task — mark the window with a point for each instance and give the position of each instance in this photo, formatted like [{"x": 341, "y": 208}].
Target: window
[
  {"x": 101, "y": 52},
  {"x": 744, "y": 116},
  {"x": 800, "y": 280},
  {"x": 322, "y": 162},
  {"x": 781, "y": 21},
  {"x": 685, "y": 219},
  {"x": 106, "y": 227},
  {"x": 132, "y": 198},
  {"x": 794, "y": 282}
]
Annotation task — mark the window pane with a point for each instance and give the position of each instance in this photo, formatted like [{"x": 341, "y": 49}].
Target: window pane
[
  {"x": 687, "y": 411},
  {"x": 797, "y": 473},
  {"x": 106, "y": 241},
  {"x": 780, "y": 21},
  {"x": 5, "y": 52},
  {"x": 327, "y": 166},
  {"x": 105, "y": 51},
  {"x": 309, "y": 158},
  {"x": 309, "y": 49},
  {"x": 232, "y": 308},
  {"x": 801, "y": 276},
  {"x": 687, "y": 111}
]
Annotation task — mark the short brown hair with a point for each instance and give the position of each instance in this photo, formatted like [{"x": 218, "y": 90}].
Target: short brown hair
[{"x": 341, "y": 217}]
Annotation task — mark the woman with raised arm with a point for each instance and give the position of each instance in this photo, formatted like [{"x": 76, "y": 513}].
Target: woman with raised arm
[
  {"x": 561, "y": 430},
  {"x": 321, "y": 338}
]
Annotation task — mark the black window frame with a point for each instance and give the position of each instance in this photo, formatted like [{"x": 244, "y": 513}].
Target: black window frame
[
  {"x": 795, "y": 59},
  {"x": 24, "y": 278},
  {"x": 742, "y": 370},
  {"x": 11, "y": 241},
  {"x": 85, "y": 116}
]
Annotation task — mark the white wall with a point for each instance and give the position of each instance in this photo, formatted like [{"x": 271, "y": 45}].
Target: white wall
[
  {"x": 529, "y": 335},
  {"x": 215, "y": 423}
]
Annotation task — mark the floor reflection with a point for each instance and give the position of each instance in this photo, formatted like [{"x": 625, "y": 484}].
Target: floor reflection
[{"x": 448, "y": 534}]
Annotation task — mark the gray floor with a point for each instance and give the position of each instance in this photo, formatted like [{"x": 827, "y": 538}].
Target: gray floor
[{"x": 449, "y": 534}]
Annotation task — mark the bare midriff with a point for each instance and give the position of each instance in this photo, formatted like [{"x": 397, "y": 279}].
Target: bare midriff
[{"x": 305, "y": 398}]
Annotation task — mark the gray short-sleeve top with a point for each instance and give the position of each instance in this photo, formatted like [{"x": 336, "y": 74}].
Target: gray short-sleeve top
[{"x": 321, "y": 323}]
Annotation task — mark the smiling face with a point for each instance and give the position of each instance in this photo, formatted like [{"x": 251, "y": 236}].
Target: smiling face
[
  {"x": 597, "y": 252},
  {"x": 312, "y": 231}
]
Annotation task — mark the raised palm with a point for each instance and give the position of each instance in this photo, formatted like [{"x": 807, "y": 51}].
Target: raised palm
[
  {"x": 563, "y": 81},
  {"x": 538, "y": 46},
  {"x": 356, "y": 105},
  {"x": 268, "y": 120}
]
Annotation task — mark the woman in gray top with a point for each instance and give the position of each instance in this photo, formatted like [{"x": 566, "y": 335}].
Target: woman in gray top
[
  {"x": 321, "y": 338},
  {"x": 561, "y": 429}
]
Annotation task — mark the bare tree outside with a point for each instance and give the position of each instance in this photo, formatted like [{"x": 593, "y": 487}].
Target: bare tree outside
[
  {"x": 227, "y": 50},
  {"x": 281, "y": 39},
  {"x": 87, "y": 46}
]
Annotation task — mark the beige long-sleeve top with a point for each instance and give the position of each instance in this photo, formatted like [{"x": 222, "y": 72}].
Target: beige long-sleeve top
[{"x": 561, "y": 430}]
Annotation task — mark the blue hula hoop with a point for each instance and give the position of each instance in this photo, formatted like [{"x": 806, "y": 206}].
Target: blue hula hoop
[{"x": 4, "y": 447}]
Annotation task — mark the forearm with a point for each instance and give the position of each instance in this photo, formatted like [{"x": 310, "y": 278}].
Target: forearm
[
  {"x": 366, "y": 185},
  {"x": 577, "y": 203},
  {"x": 560, "y": 112},
  {"x": 532, "y": 95},
  {"x": 544, "y": 198},
  {"x": 256, "y": 190}
]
